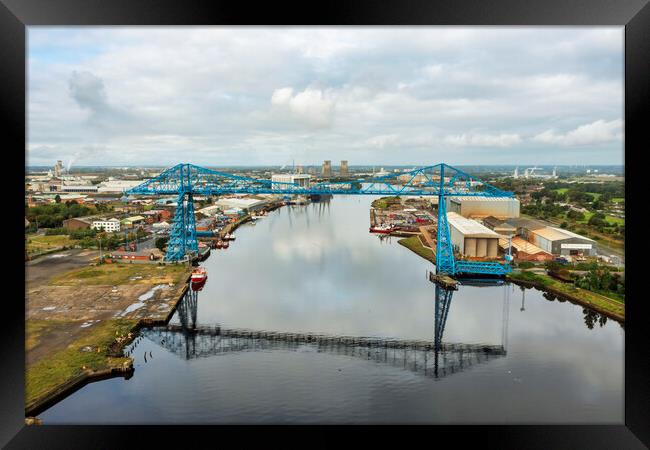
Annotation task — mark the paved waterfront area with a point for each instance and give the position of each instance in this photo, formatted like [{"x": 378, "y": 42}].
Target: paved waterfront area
[{"x": 59, "y": 313}]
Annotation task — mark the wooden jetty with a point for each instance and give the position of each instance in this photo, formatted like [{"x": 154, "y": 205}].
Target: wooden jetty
[{"x": 443, "y": 280}]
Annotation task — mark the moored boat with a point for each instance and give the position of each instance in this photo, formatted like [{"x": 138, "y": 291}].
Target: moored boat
[
  {"x": 199, "y": 275},
  {"x": 383, "y": 229}
]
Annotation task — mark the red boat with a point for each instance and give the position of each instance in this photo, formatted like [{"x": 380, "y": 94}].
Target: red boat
[
  {"x": 383, "y": 229},
  {"x": 198, "y": 285},
  {"x": 199, "y": 275}
]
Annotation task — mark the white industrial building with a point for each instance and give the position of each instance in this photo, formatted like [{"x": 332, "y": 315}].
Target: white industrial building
[
  {"x": 479, "y": 207},
  {"x": 560, "y": 242},
  {"x": 117, "y": 186},
  {"x": 471, "y": 238},
  {"x": 246, "y": 204},
  {"x": 109, "y": 225},
  {"x": 302, "y": 180},
  {"x": 210, "y": 211}
]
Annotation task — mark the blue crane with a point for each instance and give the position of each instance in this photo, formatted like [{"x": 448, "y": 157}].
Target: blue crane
[{"x": 441, "y": 180}]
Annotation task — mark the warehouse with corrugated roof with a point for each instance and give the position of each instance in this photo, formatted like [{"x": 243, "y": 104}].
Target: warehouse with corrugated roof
[
  {"x": 472, "y": 239},
  {"x": 479, "y": 207},
  {"x": 561, "y": 242}
]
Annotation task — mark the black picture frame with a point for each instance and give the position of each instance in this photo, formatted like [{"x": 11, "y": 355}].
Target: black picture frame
[{"x": 16, "y": 15}]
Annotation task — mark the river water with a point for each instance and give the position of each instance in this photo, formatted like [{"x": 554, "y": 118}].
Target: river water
[{"x": 505, "y": 355}]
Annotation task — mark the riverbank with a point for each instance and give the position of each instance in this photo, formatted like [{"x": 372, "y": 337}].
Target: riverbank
[
  {"x": 609, "y": 307},
  {"x": 79, "y": 321},
  {"x": 414, "y": 244}
]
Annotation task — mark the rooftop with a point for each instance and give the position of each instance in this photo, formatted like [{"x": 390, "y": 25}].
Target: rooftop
[
  {"x": 468, "y": 198},
  {"x": 521, "y": 245},
  {"x": 557, "y": 234},
  {"x": 469, "y": 228}
]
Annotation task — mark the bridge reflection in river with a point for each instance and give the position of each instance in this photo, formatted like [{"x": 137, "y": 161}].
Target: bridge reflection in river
[{"x": 435, "y": 358}]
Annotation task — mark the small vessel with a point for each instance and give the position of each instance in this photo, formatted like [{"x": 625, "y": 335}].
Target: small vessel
[
  {"x": 229, "y": 237},
  {"x": 225, "y": 245},
  {"x": 219, "y": 244},
  {"x": 383, "y": 229},
  {"x": 199, "y": 275}
]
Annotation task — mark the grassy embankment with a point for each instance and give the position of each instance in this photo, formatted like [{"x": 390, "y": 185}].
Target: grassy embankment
[
  {"x": 60, "y": 367},
  {"x": 613, "y": 307},
  {"x": 121, "y": 273},
  {"x": 38, "y": 244},
  {"x": 88, "y": 353},
  {"x": 414, "y": 244},
  {"x": 385, "y": 202}
]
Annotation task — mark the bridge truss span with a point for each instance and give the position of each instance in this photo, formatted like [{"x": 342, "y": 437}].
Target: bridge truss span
[{"x": 440, "y": 180}]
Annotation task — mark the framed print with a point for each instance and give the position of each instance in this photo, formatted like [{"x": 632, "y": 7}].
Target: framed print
[{"x": 361, "y": 216}]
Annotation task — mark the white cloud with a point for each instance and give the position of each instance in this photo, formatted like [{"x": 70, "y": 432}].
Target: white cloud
[
  {"x": 597, "y": 132},
  {"x": 371, "y": 95},
  {"x": 483, "y": 140},
  {"x": 311, "y": 105}
]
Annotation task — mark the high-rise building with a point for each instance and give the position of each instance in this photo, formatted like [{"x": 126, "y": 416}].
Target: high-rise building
[
  {"x": 327, "y": 168},
  {"x": 300, "y": 169},
  {"x": 344, "y": 167}
]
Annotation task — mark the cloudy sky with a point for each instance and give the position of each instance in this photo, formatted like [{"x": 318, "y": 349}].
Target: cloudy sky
[{"x": 371, "y": 95}]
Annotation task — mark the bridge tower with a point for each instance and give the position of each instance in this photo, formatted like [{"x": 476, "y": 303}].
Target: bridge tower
[
  {"x": 182, "y": 237},
  {"x": 445, "y": 262}
]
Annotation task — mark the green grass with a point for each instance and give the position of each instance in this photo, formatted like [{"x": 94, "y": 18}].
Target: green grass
[
  {"x": 121, "y": 273},
  {"x": 36, "y": 244},
  {"x": 414, "y": 244},
  {"x": 561, "y": 190},
  {"x": 618, "y": 199},
  {"x": 384, "y": 202},
  {"x": 598, "y": 301},
  {"x": 62, "y": 366}
]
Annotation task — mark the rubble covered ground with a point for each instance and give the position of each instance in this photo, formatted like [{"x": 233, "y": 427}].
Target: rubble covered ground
[{"x": 76, "y": 309}]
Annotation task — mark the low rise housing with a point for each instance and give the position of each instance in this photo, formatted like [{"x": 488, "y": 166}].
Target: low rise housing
[{"x": 109, "y": 225}]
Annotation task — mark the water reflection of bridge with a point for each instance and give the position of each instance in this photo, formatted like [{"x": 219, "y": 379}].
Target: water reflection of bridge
[{"x": 435, "y": 358}]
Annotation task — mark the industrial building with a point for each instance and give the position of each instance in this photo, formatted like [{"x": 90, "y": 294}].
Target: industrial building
[
  {"x": 302, "y": 180},
  {"x": 561, "y": 242},
  {"x": 471, "y": 239},
  {"x": 327, "y": 168},
  {"x": 76, "y": 223},
  {"x": 246, "y": 204},
  {"x": 480, "y": 207},
  {"x": 524, "y": 250},
  {"x": 209, "y": 211},
  {"x": 129, "y": 222},
  {"x": 109, "y": 225},
  {"x": 116, "y": 186},
  {"x": 500, "y": 226},
  {"x": 79, "y": 187}
]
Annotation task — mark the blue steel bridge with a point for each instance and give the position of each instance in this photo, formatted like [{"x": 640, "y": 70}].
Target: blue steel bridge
[{"x": 440, "y": 180}]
